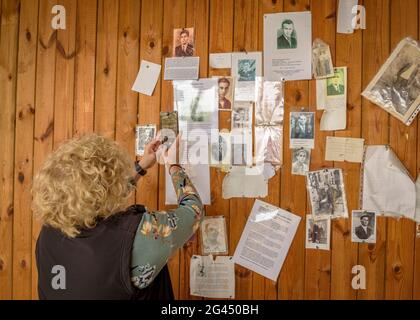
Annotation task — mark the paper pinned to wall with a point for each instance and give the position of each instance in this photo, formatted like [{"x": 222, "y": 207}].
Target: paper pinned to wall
[
  {"x": 345, "y": 16},
  {"x": 266, "y": 239},
  {"x": 212, "y": 278},
  {"x": 246, "y": 67},
  {"x": 344, "y": 149},
  {"x": 185, "y": 68},
  {"x": 245, "y": 182},
  {"x": 220, "y": 60},
  {"x": 147, "y": 77},
  {"x": 386, "y": 184}
]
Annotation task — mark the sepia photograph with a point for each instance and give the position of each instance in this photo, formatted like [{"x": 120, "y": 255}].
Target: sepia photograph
[
  {"x": 322, "y": 62},
  {"x": 301, "y": 161},
  {"x": 213, "y": 235},
  {"x": 326, "y": 193},
  {"x": 246, "y": 69},
  {"x": 183, "y": 45},
  {"x": 226, "y": 89},
  {"x": 396, "y": 87},
  {"x": 363, "y": 226},
  {"x": 286, "y": 35},
  {"x": 318, "y": 233},
  {"x": 144, "y": 134},
  {"x": 336, "y": 84}
]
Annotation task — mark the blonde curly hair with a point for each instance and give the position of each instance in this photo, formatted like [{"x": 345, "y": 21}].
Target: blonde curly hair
[{"x": 84, "y": 180}]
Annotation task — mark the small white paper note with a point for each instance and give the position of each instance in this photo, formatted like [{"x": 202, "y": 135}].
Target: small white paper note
[
  {"x": 185, "y": 68},
  {"x": 344, "y": 149},
  {"x": 147, "y": 77},
  {"x": 212, "y": 279},
  {"x": 266, "y": 239},
  {"x": 220, "y": 60}
]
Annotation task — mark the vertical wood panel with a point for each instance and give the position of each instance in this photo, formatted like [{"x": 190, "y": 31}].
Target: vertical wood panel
[
  {"x": 8, "y": 74},
  {"x": 84, "y": 77},
  {"x": 44, "y": 107},
  {"x": 374, "y": 131},
  {"x": 106, "y": 68},
  {"x": 403, "y": 140},
  {"x": 293, "y": 188},
  {"x": 416, "y": 284},
  {"x": 25, "y": 115}
]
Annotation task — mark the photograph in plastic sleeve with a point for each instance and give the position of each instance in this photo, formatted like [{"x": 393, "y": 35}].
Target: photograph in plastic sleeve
[
  {"x": 183, "y": 45},
  {"x": 214, "y": 235},
  {"x": 226, "y": 88},
  {"x": 301, "y": 159},
  {"x": 144, "y": 134},
  {"x": 168, "y": 127},
  {"x": 302, "y": 129},
  {"x": 269, "y": 106},
  {"x": 242, "y": 116},
  {"x": 396, "y": 87},
  {"x": 221, "y": 154},
  {"x": 327, "y": 194},
  {"x": 363, "y": 226},
  {"x": 322, "y": 65},
  {"x": 318, "y": 233},
  {"x": 269, "y": 145}
]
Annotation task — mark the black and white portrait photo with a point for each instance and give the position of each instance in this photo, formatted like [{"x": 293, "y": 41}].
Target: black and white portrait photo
[
  {"x": 144, "y": 134},
  {"x": 363, "y": 226},
  {"x": 302, "y": 129},
  {"x": 246, "y": 69},
  {"x": 286, "y": 35},
  {"x": 300, "y": 161},
  {"x": 213, "y": 235},
  {"x": 318, "y": 233},
  {"x": 327, "y": 194}
]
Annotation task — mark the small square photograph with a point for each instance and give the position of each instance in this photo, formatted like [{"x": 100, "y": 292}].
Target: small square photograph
[
  {"x": 318, "y": 233},
  {"x": 213, "y": 235},
  {"x": 286, "y": 35},
  {"x": 327, "y": 194},
  {"x": 302, "y": 129},
  {"x": 301, "y": 158},
  {"x": 183, "y": 45},
  {"x": 363, "y": 226},
  {"x": 144, "y": 134},
  {"x": 247, "y": 69},
  {"x": 336, "y": 85},
  {"x": 226, "y": 87}
]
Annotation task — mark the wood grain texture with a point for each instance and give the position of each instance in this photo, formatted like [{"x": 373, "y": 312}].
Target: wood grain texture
[{"x": 57, "y": 84}]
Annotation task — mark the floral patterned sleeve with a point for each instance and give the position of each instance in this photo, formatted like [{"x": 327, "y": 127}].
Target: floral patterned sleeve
[{"x": 160, "y": 234}]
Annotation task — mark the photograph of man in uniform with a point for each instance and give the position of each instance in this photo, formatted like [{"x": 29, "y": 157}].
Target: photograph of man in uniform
[
  {"x": 183, "y": 43},
  {"x": 286, "y": 35}
]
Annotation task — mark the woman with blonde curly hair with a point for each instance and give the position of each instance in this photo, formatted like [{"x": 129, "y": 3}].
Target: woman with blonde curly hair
[{"x": 106, "y": 250}]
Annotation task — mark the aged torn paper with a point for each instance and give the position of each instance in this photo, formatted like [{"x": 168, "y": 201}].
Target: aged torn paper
[
  {"x": 245, "y": 182},
  {"x": 266, "y": 239},
  {"x": 212, "y": 279},
  {"x": 185, "y": 68},
  {"x": 344, "y": 149},
  {"x": 387, "y": 187}
]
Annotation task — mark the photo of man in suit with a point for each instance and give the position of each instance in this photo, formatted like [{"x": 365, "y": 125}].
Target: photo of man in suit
[
  {"x": 286, "y": 35},
  {"x": 364, "y": 231},
  {"x": 301, "y": 128},
  {"x": 224, "y": 88},
  {"x": 335, "y": 85},
  {"x": 185, "y": 48}
]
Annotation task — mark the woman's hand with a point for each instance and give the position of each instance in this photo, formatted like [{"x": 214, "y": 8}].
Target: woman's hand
[
  {"x": 171, "y": 155},
  {"x": 149, "y": 157}
]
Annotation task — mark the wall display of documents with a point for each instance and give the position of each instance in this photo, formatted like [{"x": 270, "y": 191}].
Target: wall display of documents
[
  {"x": 147, "y": 77},
  {"x": 185, "y": 68},
  {"x": 363, "y": 226},
  {"x": 196, "y": 103},
  {"x": 386, "y": 185},
  {"x": 322, "y": 65},
  {"x": 327, "y": 193},
  {"x": 287, "y": 46},
  {"x": 302, "y": 130},
  {"x": 245, "y": 182},
  {"x": 212, "y": 279},
  {"x": 266, "y": 239},
  {"x": 318, "y": 233},
  {"x": 246, "y": 66},
  {"x": 344, "y": 149},
  {"x": 332, "y": 98},
  {"x": 396, "y": 87},
  {"x": 213, "y": 235},
  {"x": 144, "y": 134}
]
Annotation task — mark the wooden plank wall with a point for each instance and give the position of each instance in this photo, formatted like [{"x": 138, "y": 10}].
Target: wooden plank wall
[{"x": 58, "y": 84}]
